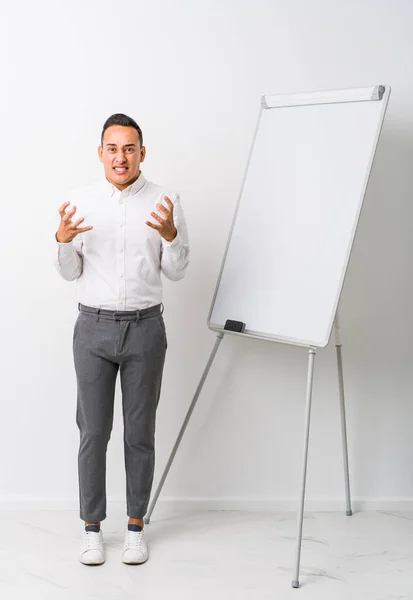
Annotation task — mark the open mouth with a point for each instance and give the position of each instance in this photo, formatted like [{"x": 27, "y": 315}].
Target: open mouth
[{"x": 120, "y": 170}]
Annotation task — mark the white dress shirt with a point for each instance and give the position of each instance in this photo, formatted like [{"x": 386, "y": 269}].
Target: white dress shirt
[{"x": 118, "y": 263}]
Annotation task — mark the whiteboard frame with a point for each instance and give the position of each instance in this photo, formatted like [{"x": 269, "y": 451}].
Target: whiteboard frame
[{"x": 379, "y": 93}]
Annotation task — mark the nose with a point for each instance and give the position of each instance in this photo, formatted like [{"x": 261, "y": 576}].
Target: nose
[{"x": 120, "y": 158}]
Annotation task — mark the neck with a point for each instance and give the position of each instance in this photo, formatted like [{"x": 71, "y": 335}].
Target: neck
[{"x": 126, "y": 185}]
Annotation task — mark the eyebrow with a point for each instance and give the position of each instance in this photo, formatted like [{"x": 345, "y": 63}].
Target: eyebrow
[{"x": 125, "y": 146}]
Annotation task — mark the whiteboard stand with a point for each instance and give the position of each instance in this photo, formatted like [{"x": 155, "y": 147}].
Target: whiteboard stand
[
  {"x": 310, "y": 377},
  {"x": 219, "y": 339},
  {"x": 310, "y": 163},
  {"x": 349, "y": 512},
  {"x": 308, "y": 396}
]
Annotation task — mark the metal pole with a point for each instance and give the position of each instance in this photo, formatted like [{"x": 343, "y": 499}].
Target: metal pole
[
  {"x": 310, "y": 377},
  {"x": 182, "y": 431},
  {"x": 349, "y": 512}
]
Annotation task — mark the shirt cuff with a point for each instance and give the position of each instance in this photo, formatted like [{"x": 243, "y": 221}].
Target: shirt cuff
[
  {"x": 175, "y": 242},
  {"x": 64, "y": 247}
]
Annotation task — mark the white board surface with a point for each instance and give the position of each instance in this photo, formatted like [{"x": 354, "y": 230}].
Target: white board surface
[{"x": 296, "y": 218}]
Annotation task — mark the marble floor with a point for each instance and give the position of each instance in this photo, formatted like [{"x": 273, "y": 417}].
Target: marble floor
[{"x": 211, "y": 555}]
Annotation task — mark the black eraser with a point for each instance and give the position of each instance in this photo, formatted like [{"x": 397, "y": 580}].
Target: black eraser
[{"x": 237, "y": 326}]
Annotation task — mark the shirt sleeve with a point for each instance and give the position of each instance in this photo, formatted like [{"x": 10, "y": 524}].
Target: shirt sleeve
[
  {"x": 175, "y": 254},
  {"x": 69, "y": 258}
]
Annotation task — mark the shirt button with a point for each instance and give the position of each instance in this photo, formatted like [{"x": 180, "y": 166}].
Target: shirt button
[
  {"x": 121, "y": 224},
  {"x": 121, "y": 250}
]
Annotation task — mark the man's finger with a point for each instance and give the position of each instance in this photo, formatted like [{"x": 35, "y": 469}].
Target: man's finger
[
  {"x": 157, "y": 217},
  {"x": 68, "y": 216},
  {"x": 163, "y": 210},
  {"x": 62, "y": 209},
  {"x": 77, "y": 223},
  {"x": 169, "y": 203},
  {"x": 153, "y": 225},
  {"x": 83, "y": 229}
]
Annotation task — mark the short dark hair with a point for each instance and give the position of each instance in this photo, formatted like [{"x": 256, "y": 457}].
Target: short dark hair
[{"x": 124, "y": 121}]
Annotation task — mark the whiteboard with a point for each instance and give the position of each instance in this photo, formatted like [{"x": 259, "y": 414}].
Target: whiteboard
[{"x": 296, "y": 218}]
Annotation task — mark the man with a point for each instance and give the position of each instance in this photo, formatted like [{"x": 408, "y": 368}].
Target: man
[{"x": 107, "y": 242}]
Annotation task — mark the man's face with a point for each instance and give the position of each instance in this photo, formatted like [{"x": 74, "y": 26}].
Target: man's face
[{"x": 121, "y": 155}]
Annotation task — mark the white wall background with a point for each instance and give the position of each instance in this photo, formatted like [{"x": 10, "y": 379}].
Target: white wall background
[{"x": 192, "y": 74}]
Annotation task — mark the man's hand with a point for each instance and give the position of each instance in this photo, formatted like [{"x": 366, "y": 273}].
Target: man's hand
[
  {"x": 166, "y": 226},
  {"x": 68, "y": 229}
]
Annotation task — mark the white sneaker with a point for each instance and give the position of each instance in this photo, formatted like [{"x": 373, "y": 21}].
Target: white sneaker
[
  {"x": 93, "y": 552},
  {"x": 136, "y": 548}
]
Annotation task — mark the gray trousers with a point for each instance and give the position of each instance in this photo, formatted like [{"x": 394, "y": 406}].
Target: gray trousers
[{"x": 104, "y": 342}]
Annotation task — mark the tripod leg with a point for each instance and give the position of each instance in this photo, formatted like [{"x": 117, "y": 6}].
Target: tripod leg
[{"x": 182, "y": 431}]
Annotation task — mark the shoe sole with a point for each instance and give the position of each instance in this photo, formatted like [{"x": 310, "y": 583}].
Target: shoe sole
[
  {"x": 141, "y": 562},
  {"x": 92, "y": 564}
]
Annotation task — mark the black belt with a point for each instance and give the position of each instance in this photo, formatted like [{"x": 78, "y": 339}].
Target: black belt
[{"x": 122, "y": 315}]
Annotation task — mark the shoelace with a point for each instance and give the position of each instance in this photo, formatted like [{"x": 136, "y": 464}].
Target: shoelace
[
  {"x": 92, "y": 540},
  {"x": 134, "y": 539}
]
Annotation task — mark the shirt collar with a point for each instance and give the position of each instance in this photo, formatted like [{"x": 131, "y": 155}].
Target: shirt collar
[{"x": 130, "y": 190}]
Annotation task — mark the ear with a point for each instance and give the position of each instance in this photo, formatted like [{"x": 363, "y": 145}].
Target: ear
[
  {"x": 100, "y": 152},
  {"x": 143, "y": 153}
]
